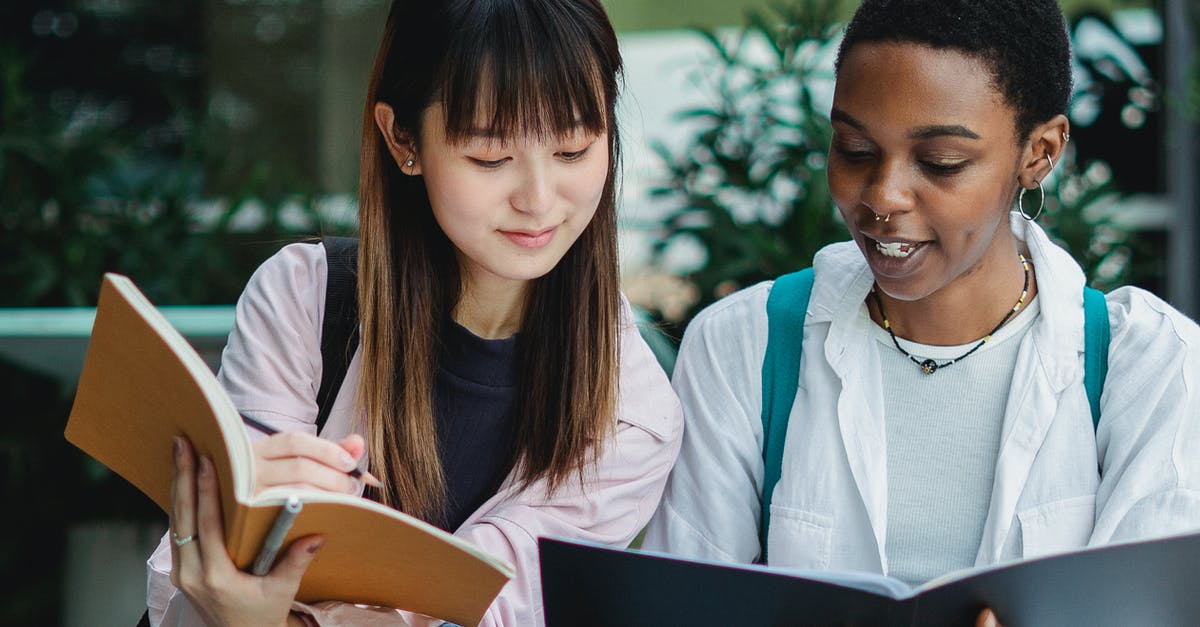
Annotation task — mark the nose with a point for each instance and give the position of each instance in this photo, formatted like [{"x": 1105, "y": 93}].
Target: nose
[
  {"x": 534, "y": 193},
  {"x": 889, "y": 190}
]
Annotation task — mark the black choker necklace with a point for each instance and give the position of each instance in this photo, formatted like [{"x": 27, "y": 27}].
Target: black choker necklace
[{"x": 930, "y": 366}]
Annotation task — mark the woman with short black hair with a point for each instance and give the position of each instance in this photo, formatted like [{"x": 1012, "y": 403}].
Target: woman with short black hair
[{"x": 941, "y": 418}]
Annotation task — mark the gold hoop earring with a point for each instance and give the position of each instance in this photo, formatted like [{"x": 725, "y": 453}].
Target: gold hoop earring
[{"x": 1021, "y": 205}]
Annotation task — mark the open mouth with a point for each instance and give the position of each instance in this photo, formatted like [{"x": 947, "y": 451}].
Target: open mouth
[{"x": 899, "y": 250}]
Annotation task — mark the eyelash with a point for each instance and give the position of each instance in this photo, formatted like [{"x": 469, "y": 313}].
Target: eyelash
[
  {"x": 569, "y": 157},
  {"x": 944, "y": 169},
  {"x": 851, "y": 154},
  {"x": 573, "y": 156},
  {"x": 937, "y": 169}
]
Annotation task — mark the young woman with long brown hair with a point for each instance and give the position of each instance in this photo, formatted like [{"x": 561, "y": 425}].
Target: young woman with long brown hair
[{"x": 500, "y": 390}]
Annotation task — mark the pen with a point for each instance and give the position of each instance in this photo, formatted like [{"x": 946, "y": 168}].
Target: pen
[
  {"x": 365, "y": 477},
  {"x": 274, "y": 539}
]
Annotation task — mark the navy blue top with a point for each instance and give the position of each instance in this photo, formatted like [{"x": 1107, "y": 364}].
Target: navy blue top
[{"x": 473, "y": 404}]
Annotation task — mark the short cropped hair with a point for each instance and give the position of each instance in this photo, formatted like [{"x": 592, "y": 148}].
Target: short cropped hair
[{"x": 1023, "y": 42}]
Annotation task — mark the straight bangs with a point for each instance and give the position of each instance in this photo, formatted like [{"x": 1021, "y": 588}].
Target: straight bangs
[{"x": 515, "y": 71}]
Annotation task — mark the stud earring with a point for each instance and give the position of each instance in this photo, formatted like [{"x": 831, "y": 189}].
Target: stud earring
[{"x": 408, "y": 164}]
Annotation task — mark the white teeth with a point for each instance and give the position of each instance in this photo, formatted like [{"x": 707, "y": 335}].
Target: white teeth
[{"x": 895, "y": 249}]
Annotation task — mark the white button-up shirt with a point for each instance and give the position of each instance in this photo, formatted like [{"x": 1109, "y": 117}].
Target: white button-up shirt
[{"x": 1058, "y": 485}]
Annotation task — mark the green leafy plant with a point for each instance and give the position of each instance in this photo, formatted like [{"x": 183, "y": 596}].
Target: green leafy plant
[
  {"x": 82, "y": 196},
  {"x": 750, "y": 186}
]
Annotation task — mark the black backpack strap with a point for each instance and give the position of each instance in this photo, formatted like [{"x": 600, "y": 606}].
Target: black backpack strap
[{"x": 339, "y": 331}]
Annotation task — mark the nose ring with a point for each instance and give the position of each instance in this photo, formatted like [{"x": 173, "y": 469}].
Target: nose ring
[{"x": 885, "y": 218}]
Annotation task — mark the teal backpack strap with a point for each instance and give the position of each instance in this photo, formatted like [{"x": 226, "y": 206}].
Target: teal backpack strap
[
  {"x": 1095, "y": 347},
  {"x": 786, "y": 307}
]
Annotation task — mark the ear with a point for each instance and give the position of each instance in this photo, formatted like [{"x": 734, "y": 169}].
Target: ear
[
  {"x": 1048, "y": 139},
  {"x": 400, "y": 142}
]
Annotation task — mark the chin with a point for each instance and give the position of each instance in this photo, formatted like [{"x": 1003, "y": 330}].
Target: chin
[{"x": 907, "y": 290}]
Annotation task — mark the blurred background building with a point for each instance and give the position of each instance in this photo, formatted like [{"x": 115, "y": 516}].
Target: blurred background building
[{"x": 182, "y": 142}]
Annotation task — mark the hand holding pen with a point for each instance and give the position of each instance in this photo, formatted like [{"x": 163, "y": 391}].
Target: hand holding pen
[{"x": 303, "y": 460}]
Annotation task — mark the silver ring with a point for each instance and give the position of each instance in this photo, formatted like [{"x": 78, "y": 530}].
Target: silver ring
[{"x": 181, "y": 541}]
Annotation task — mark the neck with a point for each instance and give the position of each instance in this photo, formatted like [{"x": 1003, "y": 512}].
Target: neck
[
  {"x": 491, "y": 309},
  {"x": 964, "y": 311}
]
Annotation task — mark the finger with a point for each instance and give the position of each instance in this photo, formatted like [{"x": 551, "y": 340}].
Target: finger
[
  {"x": 291, "y": 567},
  {"x": 210, "y": 527},
  {"x": 183, "y": 510},
  {"x": 303, "y": 472},
  {"x": 296, "y": 444},
  {"x": 354, "y": 445},
  {"x": 987, "y": 618}
]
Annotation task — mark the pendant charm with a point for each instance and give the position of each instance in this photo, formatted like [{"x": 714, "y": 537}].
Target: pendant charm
[{"x": 929, "y": 366}]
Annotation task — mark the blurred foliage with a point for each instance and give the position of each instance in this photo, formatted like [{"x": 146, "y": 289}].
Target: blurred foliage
[
  {"x": 749, "y": 189},
  {"x": 83, "y": 195},
  {"x": 110, "y": 160}
]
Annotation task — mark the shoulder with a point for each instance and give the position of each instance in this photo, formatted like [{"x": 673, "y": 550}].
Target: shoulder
[
  {"x": 645, "y": 397},
  {"x": 272, "y": 361},
  {"x": 746, "y": 307},
  {"x": 290, "y": 281},
  {"x": 286, "y": 294},
  {"x": 298, "y": 267},
  {"x": 1150, "y": 335},
  {"x": 1140, "y": 318},
  {"x": 727, "y": 339}
]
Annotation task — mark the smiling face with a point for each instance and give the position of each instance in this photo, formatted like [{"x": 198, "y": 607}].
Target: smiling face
[
  {"x": 511, "y": 207},
  {"x": 923, "y": 140}
]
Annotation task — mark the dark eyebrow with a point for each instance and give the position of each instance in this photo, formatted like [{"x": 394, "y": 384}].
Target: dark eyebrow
[
  {"x": 837, "y": 115},
  {"x": 924, "y": 132},
  {"x": 938, "y": 130}
]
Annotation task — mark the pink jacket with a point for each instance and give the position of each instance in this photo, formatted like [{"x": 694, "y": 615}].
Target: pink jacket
[{"x": 271, "y": 368}]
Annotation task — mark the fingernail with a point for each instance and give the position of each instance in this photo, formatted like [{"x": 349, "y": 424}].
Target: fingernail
[
  {"x": 177, "y": 446},
  {"x": 348, "y": 463},
  {"x": 206, "y": 467},
  {"x": 316, "y": 546}
]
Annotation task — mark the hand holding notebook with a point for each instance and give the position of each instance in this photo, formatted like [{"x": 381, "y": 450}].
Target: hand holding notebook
[{"x": 142, "y": 385}]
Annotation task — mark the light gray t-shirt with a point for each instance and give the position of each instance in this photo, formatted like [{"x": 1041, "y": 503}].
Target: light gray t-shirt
[{"x": 943, "y": 436}]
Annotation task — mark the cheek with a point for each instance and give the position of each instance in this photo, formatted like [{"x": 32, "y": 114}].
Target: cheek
[
  {"x": 843, "y": 188},
  {"x": 584, "y": 189}
]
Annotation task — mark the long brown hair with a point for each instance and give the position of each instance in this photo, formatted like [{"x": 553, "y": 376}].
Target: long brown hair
[{"x": 535, "y": 67}]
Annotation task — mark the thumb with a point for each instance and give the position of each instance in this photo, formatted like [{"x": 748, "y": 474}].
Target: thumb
[{"x": 292, "y": 566}]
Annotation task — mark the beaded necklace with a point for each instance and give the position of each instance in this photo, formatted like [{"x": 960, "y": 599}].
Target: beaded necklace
[{"x": 930, "y": 366}]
